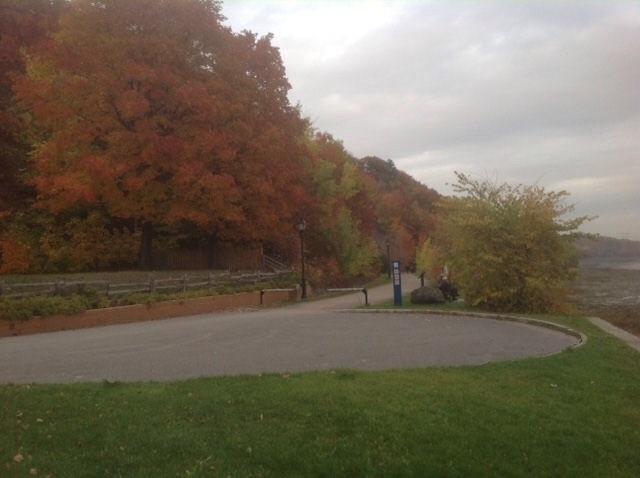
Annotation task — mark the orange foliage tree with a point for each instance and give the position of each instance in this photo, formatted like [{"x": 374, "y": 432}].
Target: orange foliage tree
[
  {"x": 156, "y": 114},
  {"x": 23, "y": 23},
  {"x": 150, "y": 118}
]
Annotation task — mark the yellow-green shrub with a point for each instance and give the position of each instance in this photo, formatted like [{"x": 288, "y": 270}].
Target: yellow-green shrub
[
  {"x": 508, "y": 246},
  {"x": 429, "y": 260}
]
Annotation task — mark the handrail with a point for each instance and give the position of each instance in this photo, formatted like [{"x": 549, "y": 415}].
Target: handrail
[
  {"x": 262, "y": 292},
  {"x": 353, "y": 289}
]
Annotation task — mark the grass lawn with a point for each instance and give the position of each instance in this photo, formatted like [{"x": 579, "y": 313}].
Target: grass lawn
[
  {"x": 573, "y": 414},
  {"x": 406, "y": 304}
]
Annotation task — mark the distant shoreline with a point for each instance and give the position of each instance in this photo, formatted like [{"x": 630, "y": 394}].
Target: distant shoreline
[{"x": 627, "y": 263}]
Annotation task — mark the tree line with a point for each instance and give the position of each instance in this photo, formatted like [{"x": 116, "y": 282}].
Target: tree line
[{"x": 132, "y": 128}]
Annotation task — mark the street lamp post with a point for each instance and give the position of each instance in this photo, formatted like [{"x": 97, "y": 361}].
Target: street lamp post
[
  {"x": 303, "y": 282},
  {"x": 388, "y": 259}
]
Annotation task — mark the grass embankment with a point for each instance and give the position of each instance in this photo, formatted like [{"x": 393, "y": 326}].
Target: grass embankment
[
  {"x": 406, "y": 304},
  {"x": 611, "y": 294},
  {"x": 626, "y": 317},
  {"x": 20, "y": 309},
  {"x": 572, "y": 414}
]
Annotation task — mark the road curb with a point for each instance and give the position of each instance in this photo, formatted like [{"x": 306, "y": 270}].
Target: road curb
[{"x": 582, "y": 338}]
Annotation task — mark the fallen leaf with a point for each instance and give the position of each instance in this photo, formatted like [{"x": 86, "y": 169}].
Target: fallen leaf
[{"x": 18, "y": 458}]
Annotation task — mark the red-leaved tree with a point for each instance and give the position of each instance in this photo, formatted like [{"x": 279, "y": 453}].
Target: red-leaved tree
[{"x": 157, "y": 114}]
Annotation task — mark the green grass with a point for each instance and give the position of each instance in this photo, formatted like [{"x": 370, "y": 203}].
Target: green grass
[
  {"x": 572, "y": 414},
  {"x": 406, "y": 304}
]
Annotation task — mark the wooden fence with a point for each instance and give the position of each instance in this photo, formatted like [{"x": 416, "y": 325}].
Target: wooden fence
[{"x": 183, "y": 283}]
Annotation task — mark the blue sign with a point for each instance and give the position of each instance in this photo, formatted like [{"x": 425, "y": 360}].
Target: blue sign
[{"x": 397, "y": 284}]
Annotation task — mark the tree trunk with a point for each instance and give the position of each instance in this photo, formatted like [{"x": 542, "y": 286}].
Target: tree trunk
[
  {"x": 211, "y": 243},
  {"x": 145, "y": 261}
]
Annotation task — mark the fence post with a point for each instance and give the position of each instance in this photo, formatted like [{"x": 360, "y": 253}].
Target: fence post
[
  {"x": 366, "y": 296},
  {"x": 261, "y": 296}
]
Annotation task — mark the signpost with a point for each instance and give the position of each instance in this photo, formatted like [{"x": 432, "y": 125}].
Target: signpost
[{"x": 397, "y": 284}]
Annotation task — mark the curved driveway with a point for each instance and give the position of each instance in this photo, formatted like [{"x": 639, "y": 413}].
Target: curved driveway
[{"x": 300, "y": 337}]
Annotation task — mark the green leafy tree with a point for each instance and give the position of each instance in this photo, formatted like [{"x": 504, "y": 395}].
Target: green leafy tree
[{"x": 509, "y": 246}]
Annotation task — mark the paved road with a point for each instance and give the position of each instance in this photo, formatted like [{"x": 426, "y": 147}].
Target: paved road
[
  {"x": 309, "y": 336},
  {"x": 376, "y": 295}
]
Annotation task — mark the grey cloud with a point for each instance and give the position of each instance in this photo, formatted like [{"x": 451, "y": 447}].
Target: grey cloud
[
  {"x": 424, "y": 84},
  {"x": 529, "y": 91}
]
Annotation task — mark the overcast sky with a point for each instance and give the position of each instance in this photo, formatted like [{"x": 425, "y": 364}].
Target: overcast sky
[{"x": 532, "y": 92}]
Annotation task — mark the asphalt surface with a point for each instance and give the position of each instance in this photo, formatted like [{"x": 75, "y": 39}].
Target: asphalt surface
[{"x": 300, "y": 337}]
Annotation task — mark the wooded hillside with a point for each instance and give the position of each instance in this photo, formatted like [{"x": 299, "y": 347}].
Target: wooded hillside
[
  {"x": 129, "y": 129},
  {"x": 607, "y": 247}
]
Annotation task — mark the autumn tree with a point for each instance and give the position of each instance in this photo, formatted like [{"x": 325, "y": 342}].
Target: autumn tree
[
  {"x": 509, "y": 247},
  {"x": 404, "y": 207},
  {"x": 429, "y": 260},
  {"x": 268, "y": 166},
  {"x": 150, "y": 122},
  {"x": 23, "y": 24},
  {"x": 341, "y": 220},
  {"x": 156, "y": 113}
]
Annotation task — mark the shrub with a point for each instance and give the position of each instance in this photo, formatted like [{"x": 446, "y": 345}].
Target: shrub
[
  {"x": 20, "y": 309},
  {"x": 508, "y": 246},
  {"x": 428, "y": 260}
]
